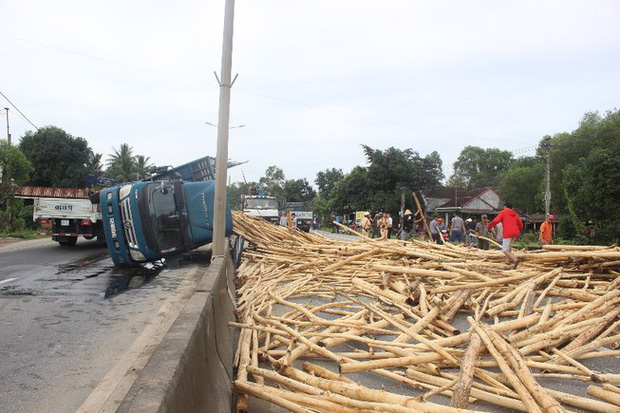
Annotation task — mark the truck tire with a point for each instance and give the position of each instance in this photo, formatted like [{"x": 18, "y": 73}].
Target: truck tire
[
  {"x": 237, "y": 252},
  {"x": 68, "y": 241}
]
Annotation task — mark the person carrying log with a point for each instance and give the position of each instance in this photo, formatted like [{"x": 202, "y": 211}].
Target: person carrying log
[
  {"x": 545, "y": 235},
  {"x": 435, "y": 229},
  {"x": 512, "y": 226}
]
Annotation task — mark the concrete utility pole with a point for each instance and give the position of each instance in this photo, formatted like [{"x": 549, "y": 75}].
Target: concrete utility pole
[
  {"x": 221, "y": 167},
  {"x": 547, "y": 146},
  {"x": 8, "y": 131}
]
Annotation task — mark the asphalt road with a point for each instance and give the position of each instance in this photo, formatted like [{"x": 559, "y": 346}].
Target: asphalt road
[{"x": 68, "y": 317}]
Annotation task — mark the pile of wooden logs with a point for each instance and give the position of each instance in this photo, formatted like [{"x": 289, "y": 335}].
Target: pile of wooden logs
[{"x": 445, "y": 327}]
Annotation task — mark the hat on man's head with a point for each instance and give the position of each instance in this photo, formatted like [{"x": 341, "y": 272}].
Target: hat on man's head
[
  {"x": 550, "y": 216},
  {"x": 366, "y": 213},
  {"x": 484, "y": 216},
  {"x": 408, "y": 212},
  {"x": 468, "y": 220}
]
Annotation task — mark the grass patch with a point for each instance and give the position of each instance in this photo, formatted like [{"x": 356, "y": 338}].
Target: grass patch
[{"x": 25, "y": 234}]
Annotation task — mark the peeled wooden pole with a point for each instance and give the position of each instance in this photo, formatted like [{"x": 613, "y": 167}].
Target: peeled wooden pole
[
  {"x": 285, "y": 268},
  {"x": 460, "y": 396},
  {"x": 525, "y": 395},
  {"x": 606, "y": 395},
  {"x": 367, "y": 394},
  {"x": 428, "y": 231},
  {"x": 263, "y": 392}
]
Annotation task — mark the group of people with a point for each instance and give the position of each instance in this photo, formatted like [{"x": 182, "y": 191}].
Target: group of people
[
  {"x": 381, "y": 223},
  {"x": 505, "y": 228},
  {"x": 284, "y": 220}
]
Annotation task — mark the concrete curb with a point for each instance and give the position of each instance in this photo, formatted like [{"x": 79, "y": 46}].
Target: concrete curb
[{"x": 192, "y": 368}]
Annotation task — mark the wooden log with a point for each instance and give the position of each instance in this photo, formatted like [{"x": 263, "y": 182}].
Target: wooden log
[
  {"x": 514, "y": 358},
  {"x": 493, "y": 396},
  {"x": 367, "y": 394},
  {"x": 606, "y": 395},
  {"x": 460, "y": 396},
  {"x": 355, "y": 367},
  {"x": 325, "y": 373},
  {"x": 262, "y": 392},
  {"x": 526, "y": 397}
]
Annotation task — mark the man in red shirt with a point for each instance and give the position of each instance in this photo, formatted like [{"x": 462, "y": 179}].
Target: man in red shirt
[{"x": 512, "y": 226}]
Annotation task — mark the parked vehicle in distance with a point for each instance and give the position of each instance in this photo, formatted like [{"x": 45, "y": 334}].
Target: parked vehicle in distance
[
  {"x": 261, "y": 206},
  {"x": 147, "y": 221},
  {"x": 70, "y": 218},
  {"x": 304, "y": 216}
]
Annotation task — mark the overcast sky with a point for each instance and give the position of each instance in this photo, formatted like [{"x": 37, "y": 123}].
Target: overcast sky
[{"x": 316, "y": 78}]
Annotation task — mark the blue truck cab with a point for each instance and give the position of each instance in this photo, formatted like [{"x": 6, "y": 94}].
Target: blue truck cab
[{"x": 146, "y": 221}]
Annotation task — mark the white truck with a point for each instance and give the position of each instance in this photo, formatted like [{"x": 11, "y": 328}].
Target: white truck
[
  {"x": 70, "y": 218},
  {"x": 262, "y": 206}
]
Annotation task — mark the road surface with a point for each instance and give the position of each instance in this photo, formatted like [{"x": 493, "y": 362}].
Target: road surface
[{"x": 69, "y": 320}]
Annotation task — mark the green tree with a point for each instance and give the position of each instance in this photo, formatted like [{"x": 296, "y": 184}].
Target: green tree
[
  {"x": 477, "y": 167},
  {"x": 94, "y": 165},
  {"x": 234, "y": 192},
  {"x": 59, "y": 159},
  {"x": 327, "y": 179},
  {"x": 15, "y": 169},
  {"x": 592, "y": 188},
  {"x": 274, "y": 182},
  {"x": 523, "y": 185},
  {"x": 298, "y": 190},
  {"x": 143, "y": 167},
  {"x": 594, "y": 132},
  {"x": 122, "y": 164},
  {"x": 352, "y": 193},
  {"x": 393, "y": 171}
]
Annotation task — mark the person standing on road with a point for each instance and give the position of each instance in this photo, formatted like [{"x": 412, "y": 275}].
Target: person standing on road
[
  {"x": 366, "y": 224},
  {"x": 546, "y": 231},
  {"x": 470, "y": 226},
  {"x": 512, "y": 226},
  {"x": 435, "y": 230},
  {"x": 407, "y": 226},
  {"x": 457, "y": 228},
  {"x": 382, "y": 224},
  {"x": 293, "y": 221},
  {"x": 390, "y": 222},
  {"x": 283, "y": 220},
  {"x": 483, "y": 231}
]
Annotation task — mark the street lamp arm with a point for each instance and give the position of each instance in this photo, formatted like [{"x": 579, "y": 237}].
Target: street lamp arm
[{"x": 232, "y": 127}]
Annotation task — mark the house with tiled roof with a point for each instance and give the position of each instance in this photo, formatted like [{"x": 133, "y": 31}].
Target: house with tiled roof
[{"x": 451, "y": 199}]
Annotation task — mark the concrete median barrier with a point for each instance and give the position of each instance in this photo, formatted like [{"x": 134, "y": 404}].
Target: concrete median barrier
[{"x": 192, "y": 368}]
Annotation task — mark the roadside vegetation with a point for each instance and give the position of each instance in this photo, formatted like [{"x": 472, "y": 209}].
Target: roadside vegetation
[{"x": 584, "y": 177}]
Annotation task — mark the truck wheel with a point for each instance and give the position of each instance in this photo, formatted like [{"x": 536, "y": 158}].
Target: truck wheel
[
  {"x": 68, "y": 241},
  {"x": 237, "y": 252}
]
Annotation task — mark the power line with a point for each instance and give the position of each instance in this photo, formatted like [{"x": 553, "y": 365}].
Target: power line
[
  {"x": 257, "y": 94},
  {"x": 103, "y": 59},
  {"x": 19, "y": 111}
]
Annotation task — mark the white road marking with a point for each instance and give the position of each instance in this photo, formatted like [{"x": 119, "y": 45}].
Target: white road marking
[{"x": 7, "y": 280}]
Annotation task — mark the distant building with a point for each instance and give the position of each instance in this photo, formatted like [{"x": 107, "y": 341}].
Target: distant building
[{"x": 469, "y": 202}]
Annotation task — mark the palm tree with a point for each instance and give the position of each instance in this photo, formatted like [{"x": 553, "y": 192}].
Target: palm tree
[
  {"x": 122, "y": 164},
  {"x": 143, "y": 167},
  {"x": 94, "y": 165}
]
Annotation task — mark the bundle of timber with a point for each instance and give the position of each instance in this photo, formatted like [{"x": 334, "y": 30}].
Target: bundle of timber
[{"x": 321, "y": 320}]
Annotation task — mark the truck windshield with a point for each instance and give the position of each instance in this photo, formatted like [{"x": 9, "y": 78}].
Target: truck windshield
[
  {"x": 164, "y": 217},
  {"x": 260, "y": 203}
]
